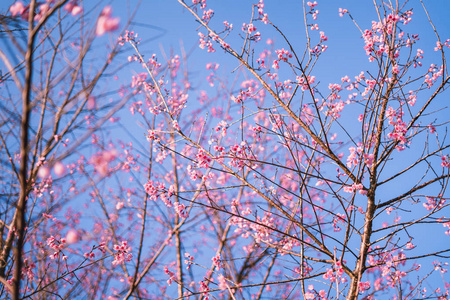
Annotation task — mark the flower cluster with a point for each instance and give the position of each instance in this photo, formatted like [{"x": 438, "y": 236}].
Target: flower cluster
[
  {"x": 101, "y": 161},
  {"x": 122, "y": 254},
  {"x": 311, "y": 294},
  {"x": 27, "y": 268},
  {"x": 19, "y": 9},
  {"x": 342, "y": 11},
  {"x": 57, "y": 246},
  {"x": 217, "y": 262},
  {"x": 171, "y": 275},
  {"x": 339, "y": 217},
  {"x": 260, "y": 229},
  {"x": 375, "y": 41},
  {"x": 204, "y": 289},
  {"x": 157, "y": 189},
  {"x": 399, "y": 131},
  {"x": 336, "y": 272},
  {"x": 282, "y": 55},
  {"x": 180, "y": 209},
  {"x": 434, "y": 203},
  {"x": 445, "y": 161},
  {"x": 202, "y": 159},
  {"x": 189, "y": 260},
  {"x": 435, "y": 72},
  {"x": 242, "y": 155},
  {"x": 354, "y": 187},
  {"x": 305, "y": 83}
]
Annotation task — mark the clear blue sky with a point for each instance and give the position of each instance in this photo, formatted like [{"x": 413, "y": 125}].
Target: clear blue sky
[{"x": 164, "y": 24}]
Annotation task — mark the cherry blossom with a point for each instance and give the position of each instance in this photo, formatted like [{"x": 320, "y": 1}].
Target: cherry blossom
[{"x": 106, "y": 23}]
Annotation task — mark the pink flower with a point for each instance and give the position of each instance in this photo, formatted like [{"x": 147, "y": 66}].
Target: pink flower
[
  {"x": 410, "y": 246},
  {"x": 106, "y": 23},
  {"x": 171, "y": 275},
  {"x": 205, "y": 289},
  {"x": 222, "y": 282},
  {"x": 363, "y": 286},
  {"x": 43, "y": 172},
  {"x": 445, "y": 162},
  {"x": 73, "y": 8},
  {"x": 395, "y": 69},
  {"x": 312, "y": 4},
  {"x": 59, "y": 168},
  {"x": 342, "y": 11},
  {"x": 368, "y": 159},
  {"x": 17, "y": 9},
  {"x": 72, "y": 237},
  {"x": 122, "y": 254},
  {"x": 217, "y": 261},
  {"x": 101, "y": 161},
  {"x": 91, "y": 104},
  {"x": 76, "y": 10},
  {"x": 180, "y": 209}
]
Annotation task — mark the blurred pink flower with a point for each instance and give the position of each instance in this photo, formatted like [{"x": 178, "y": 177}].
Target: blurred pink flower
[
  {"x": 17, "y": 8},
  {"x": 73, "y": 8},
  {"x": 72, "y": 236},
  {"x": 59, "y": 169},
  {"x": 106, "y": 23}
]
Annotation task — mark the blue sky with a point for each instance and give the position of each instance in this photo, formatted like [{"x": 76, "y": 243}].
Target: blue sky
[{"x": 165, "y": 25}]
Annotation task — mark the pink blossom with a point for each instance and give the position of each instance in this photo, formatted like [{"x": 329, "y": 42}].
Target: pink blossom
[
  {"x": 171, "y": 275},
  {"x": 101, "y": 161},
  {"x": 309, "y": 295},
  {"x": 43, "y": 8},
  {"x": 105, "y": 22},
  {"x": 181, "y": 210},
  {"x": 73, "y": 8},
  {"x": 217, "y": 261},
  {"x": 17, "y": 9},
  {"x": 205, "y": 289},
  {"x": 175, "y": 125},
  {"x": 348, "y": 189},
  {"x": 364, "y": 286},
  {"x": 91, "y": 104},
  {"x": 342, "y": 11},
  {"x": 222, "y": 282},
  {"x": 265, "y": 19},
  {"x": 43, "y": 172},
  {"x": 59, "y": 168},
  {"x": 203, "y": 159},
  {"x": 395, "y": 69},
  {"x": 445, "y": 162},
  {"x": 410, "y": 246},
  {"x": 312, "y": 4},
  {"x": 228, "y": 26},
  {"x": 152, "y": 136},
  {"x": 222, "y": 127},
  {"x": 212, "y": 66},
  {"x": 189, "y": 260},
  {"x": 207, "y": 15},
  {"x": 72, "y": 236},
  {"x": 368, "y": 159},
  {"x": 314, "y": 27},
  {"x": 122, "y": 254}
]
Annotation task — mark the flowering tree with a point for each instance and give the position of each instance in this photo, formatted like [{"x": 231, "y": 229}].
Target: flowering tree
[
  {"x": 264, "y": 182},
  {"x": 52, "y": 105}
]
